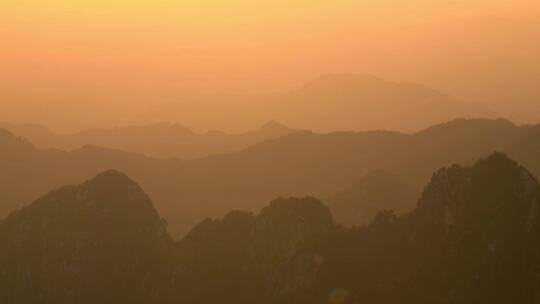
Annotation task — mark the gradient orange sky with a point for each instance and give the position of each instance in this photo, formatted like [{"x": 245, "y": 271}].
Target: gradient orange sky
[{"x": 153, "y": 51}]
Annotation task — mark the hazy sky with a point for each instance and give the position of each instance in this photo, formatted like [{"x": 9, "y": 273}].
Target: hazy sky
[{"x": 156, "y": 50}]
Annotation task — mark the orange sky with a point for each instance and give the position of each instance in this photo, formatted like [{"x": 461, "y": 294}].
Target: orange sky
[{"x": 153, "y": 51}]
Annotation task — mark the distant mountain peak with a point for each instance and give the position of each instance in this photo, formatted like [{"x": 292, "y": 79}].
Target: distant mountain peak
[
  {"x": 273, "y": 125},
  {"x": 331, "y": 82}
]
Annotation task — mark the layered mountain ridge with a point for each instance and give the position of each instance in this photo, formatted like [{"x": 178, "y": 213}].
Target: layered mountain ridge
[
  {"x": 327, "y": 103},
  {"x": 160, "y": 140},
  {"x": 473, "y": 237},
  {"x": 300, "y": 164}
]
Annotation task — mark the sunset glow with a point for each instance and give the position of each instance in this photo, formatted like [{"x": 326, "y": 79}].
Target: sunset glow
[{"x": 157, "y": 51}]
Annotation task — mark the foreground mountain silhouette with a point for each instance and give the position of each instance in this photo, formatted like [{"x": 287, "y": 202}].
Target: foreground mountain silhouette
[
  {"x": 473, "y": 238},
  {"x": 300, "y": 164},
  {"x": 102, "y": 241},
  {"x": 262, "y": 257},
  {"x": 161, "y": 140}
]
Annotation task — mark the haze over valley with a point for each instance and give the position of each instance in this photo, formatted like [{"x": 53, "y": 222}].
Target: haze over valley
[{"x": 272, "y": 152}]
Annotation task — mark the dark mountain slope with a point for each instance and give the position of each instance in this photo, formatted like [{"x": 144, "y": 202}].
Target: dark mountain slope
[
  {"x": 102, "y": 241},
  {"x": 246, "y": 259},
  {"x": 212, "y": 259},
  {"x": 286, "y": 238},
  {"x": 474, "y": 238},
  {"x": 487, "y": 222}
]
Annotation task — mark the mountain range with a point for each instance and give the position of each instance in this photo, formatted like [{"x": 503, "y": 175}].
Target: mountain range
[
  {"x": 160, "y": 140},
  {"x": 356, "y": 102},
  {"x": 473, "y": 237},
  {"x": 333, "y": 102},
  {"x": 300, "y": 164}
]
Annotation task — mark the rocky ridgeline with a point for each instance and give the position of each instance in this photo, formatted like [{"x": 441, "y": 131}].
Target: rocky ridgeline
[
  {"x": 100, "y": 242},
  {"x": 474, "y": 237}
]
